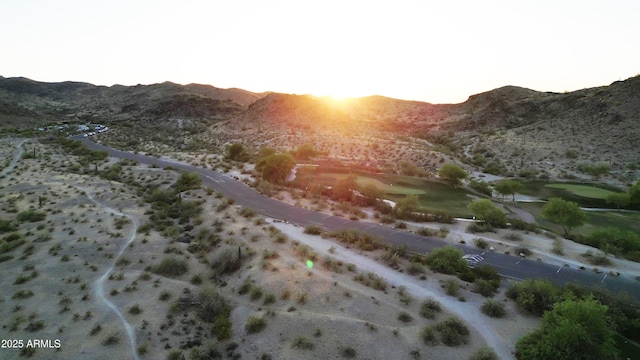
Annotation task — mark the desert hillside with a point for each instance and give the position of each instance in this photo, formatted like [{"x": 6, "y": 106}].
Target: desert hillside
[{"x": 509, "y": 131}]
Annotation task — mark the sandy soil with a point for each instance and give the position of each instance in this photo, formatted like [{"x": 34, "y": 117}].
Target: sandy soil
[
  {"x": 80, "y": 252},
  {"x": 79, "y": 256}
]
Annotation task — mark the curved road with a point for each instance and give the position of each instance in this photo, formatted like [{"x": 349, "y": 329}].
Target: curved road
[{"x": 508, "y": 266}]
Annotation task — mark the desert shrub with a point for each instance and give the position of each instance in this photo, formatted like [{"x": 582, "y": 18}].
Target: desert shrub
[
  {"x": 7, "y": 226},
  {"x": 170, "y": 267},
  {"x": 558, "y": 248},
  {"x": 22, "y": 294},
  {"x": 428, "y": 336},
  {"x": 480, "y": 243},
  {"x": 212, "y": 305},
  {"x": 227, "y": 261},
  {"x": 255, "y": 293},
  {"x": 222, "y": 327},
  {"x": 429, "y": 308},
  {"x": 533, "y": 295},
  {"x": 446, "y": 260},
  {"x": 404, "y": 316},
  {"x": 415, "y": 268},
  {"x": 480, "y": 228},
  {"x": 483, "y": 287},
  {"x": 301, "y": 342},
  {"x": 111, "y": 340},
  {"x": 484, "y": 353},
  {"x": 519, "y": 224},
  {"x": 493, "y": 308},
  {"x": 425, "y": 231},
  {"x": 451, "y": 287},
  {"x": 31, "y": 216},
  {"x": 348, "y": 352},
  {"x": 255, "y": 324},
  {"x": 453, "y": 332},
  {"x": 313, "y": 230},
  {"x": 513, "y": 237},
  {"x": 135, "y": 309},
  {"x": 522, "y": 250},
  {"x": 481, "y": 187},
  {"x": 359, "y": 239}
]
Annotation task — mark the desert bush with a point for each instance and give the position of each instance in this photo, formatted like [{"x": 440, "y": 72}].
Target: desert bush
[
  {"x": 7, "y": 226},
  {"x": 22, "y": 294},
  {"x": 446, "y": 260},
  {"x": 313, "y": 230},
  {"x": 558, "y": 248},
  {"x": 227, "y": 261},
  {"x": 212, "y": 305},
  {"x": 31, "y": 216},
  {"x": 519, "y": 224},
  {"x": 425, "y": 231},
  {"x": 522, "y": 250},
  {"x": 480, "y": 243},
  {"x": 255, "y": 324},
  {"x": 222, "y": 327},
  {"x": 484, "y": 353},
  {"x": 453, "y": 332},
  {"x": 533, "y": 295},
  {"x": 429, "y": 308},
  {"x": 415, "y": 268},
  {"x": 301, "y": 342},
  {"x": 474, "y": 228},
  {"x": 513, "y": 237},
  {"x": 428, "y": 336},
  {"x": 135, "y": 309},
  {"x": 493, "y": 308},
  {"x": 348, "y": 352},
  {"x": 484, "y": 287},
  {"x": 111, "y": 340},
  {"x": 170, "y": 267},
  {"x": 451, "y": 287},
  {"x": 404, "y": 316}
]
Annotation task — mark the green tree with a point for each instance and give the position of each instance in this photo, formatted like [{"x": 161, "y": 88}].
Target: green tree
[
  {"x": 343, "y": 190},
  {"x": 276, "y": 167},
  {"x": 446, "y": 260},
  {"x": 452, "y": 174},
  {"x": 484, "y": 210},
  {"x": 567, "y": 214},
  {"x": 187, "y": 181},
  {"x": 404, "y": 207},
  {"x": 305, "y": 151},
  {"x": 96, "y": 156},
  {"x": 620, "y": 200},
  {"x": 574, "y": 329},
  {"x": 634, "y": 193},
  {"x": 509, "y": 187},
  {"x": 237, "y": 152}
]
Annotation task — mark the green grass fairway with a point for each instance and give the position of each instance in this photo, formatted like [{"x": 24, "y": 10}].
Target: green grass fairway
[
  {"x": 583, "y": 190},
  {"x": 388, "y": 188},
  {"x": 432, "y": 195}
]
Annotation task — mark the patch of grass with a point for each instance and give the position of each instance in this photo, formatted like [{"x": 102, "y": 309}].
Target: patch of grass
[
  {"x": 583, "y": 190},
  {"x": 313, "y": 230},
  {"x": 22, "y": 294}
]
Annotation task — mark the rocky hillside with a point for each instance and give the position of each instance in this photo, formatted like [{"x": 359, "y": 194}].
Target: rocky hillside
[
  {"x": 25, "y": 99},
  {"x": 509, "y": 130}
]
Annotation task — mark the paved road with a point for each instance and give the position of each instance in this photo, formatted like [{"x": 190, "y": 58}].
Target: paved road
[{"x": 508, "y": 266}]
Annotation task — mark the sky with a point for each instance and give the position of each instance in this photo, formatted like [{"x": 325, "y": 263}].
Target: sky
[{"x": 433, "y": 51}]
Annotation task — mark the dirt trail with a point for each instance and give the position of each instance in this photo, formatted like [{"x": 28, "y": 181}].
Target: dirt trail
[
  {"x": 465, "y": 310},
  {"x": 15, "y": 159},
  {"x": 99, "y": 284}
]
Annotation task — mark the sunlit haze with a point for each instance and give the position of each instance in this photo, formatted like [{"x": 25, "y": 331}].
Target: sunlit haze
[{"x": 434, "y": 51}]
